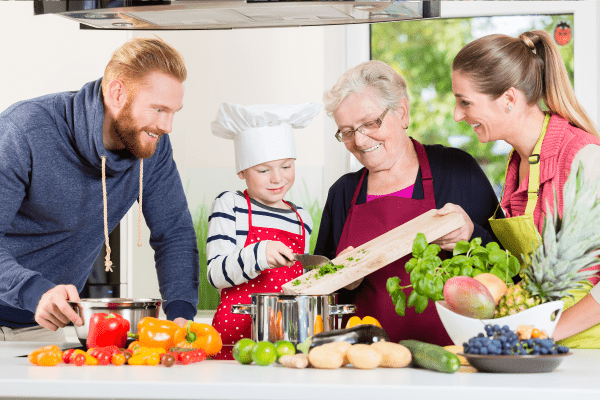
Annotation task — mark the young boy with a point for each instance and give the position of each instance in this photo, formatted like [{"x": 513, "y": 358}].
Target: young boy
[{"x": 253, "y": 235}]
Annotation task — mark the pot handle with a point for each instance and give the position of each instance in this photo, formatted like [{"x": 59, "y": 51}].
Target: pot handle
[
  {"x": 246, "y": 309},
  {"x": 338, "y": 309}
]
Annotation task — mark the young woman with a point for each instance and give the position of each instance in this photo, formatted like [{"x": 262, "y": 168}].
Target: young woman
[{"x": 499, "y": 83}]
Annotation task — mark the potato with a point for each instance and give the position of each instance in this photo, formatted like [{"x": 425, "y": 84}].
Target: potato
[
  {"x": 326, "y": 356},
  {"x": 342, "y": 347},
  {"x": 393, "y": 355},
  {"x": 363, "y": 356}
]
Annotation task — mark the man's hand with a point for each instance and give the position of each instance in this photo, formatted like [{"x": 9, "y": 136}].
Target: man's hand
[
  {"x": 180, "y": 321},
  {"x": 449, "y": 240},
  {"x": 279, "y": 255},
  {"x": 54, "y": 312}
]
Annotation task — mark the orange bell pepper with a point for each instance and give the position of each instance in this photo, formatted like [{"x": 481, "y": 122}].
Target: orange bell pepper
[
  {"x": 154, "y": 332},
  {"x": 199, "y": 336},
  {"x": 47, "y": 356}
]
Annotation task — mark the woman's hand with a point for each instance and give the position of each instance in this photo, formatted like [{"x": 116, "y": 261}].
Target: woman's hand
[
  {"x": 279, "y": 255},
  {"x": 354, "y": 284},
  {"x": 449, "y": 240}
]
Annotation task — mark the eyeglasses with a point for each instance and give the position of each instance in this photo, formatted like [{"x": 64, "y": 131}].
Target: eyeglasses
[{"x": 367, "y": 128}]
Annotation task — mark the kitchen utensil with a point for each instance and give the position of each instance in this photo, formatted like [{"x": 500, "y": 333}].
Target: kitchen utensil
[
  {"x": 461, "y": 329},
  {"x": 375, "y": 254},
  {"x": 515, "y": 364},
  {"x": 310, "y": 262},
  {"x": 132, "y": 310},
  {"x": 277, "y": 316}
]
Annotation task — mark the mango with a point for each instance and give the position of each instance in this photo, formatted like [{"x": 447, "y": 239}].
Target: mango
[{"x": 469, "y": 297}]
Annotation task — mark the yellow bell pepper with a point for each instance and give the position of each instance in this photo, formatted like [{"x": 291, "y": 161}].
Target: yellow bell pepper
[{"x": 352, "y": 322}]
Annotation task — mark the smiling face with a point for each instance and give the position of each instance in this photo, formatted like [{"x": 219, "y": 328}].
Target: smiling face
[
  {"x": 148, "y": 114},
  {"x": 488, "y": 117},
  {"x": 384, "y": 147},
  {"x": 269, "y": 182}
]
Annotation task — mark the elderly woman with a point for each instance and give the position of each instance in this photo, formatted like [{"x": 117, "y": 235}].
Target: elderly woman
[
  {"x": 499, "y": 82},
  {"x": 401, "y": 180}
]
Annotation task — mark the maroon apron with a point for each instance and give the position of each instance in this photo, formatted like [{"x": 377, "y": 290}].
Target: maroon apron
[
  {"x": 370, "y": 220},
  {"x": 233, "y": 327}
]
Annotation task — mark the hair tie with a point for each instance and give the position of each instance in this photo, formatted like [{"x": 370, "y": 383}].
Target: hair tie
[{"x": 528, "y": 42}]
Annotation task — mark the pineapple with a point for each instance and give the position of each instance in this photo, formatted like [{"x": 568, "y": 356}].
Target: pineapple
[{"x": 568, "y": 246}]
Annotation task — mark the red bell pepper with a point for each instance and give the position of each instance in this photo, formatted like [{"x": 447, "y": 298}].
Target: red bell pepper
[{"x": 107, "y": 330}]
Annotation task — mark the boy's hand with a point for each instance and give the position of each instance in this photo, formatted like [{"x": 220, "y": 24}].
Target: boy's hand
[{"x": 279, "y": 255}]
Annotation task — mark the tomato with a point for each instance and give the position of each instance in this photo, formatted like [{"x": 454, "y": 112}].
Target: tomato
[
  {"x": 77, "y": 359},
  {"x": 118, "y": 359},
  {"x": 66, "y": 357}
]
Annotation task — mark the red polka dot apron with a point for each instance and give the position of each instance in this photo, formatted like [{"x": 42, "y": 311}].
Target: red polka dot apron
[
  {"x": 233, "y": 327},
  {"x": 370, "y": 220}
]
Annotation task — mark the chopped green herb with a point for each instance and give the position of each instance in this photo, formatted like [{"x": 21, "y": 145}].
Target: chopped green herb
[{"x": 296, "y": 282}]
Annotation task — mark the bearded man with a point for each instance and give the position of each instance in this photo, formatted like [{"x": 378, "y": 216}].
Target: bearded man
[{"x": 71, "y": 165}]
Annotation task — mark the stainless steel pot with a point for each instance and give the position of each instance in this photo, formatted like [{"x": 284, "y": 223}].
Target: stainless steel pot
[
  {"x": 278, "y": 316},
  {"x": 132, "y": 310}
]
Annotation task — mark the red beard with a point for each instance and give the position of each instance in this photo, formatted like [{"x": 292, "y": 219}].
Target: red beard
[{"x": 130, "y": 135}]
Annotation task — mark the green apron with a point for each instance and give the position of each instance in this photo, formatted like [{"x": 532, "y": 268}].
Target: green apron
[{"x": 519, "y": 235}]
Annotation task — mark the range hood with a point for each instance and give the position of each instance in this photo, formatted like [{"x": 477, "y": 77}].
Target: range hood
[{"x": 233, "y": 14}]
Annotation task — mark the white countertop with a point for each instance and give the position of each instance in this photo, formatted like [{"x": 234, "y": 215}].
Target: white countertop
[{"x": 575, "y": 378}]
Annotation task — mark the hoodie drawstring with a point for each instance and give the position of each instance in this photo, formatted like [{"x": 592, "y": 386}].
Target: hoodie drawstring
[
  {"x": 107, "y": 262},
  {"x": 140, "y": 203}
]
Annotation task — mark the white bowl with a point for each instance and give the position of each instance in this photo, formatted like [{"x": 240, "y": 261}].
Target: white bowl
[{"x": 461, "y": 328}]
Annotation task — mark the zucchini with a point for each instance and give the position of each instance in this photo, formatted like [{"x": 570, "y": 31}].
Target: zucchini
[
  {"x": 431, "y": 356},
  {"x": 363, "y": 333}
]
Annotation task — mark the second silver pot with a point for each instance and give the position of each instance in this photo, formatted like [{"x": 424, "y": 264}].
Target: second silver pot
[{"x": 278, "y": 316}]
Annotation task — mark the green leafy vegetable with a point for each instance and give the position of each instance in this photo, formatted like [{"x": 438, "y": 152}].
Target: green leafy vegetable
[{"x": 428, "y": 273}]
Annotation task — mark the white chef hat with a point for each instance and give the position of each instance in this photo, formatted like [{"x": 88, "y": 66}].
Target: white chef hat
[{"x": 262, "y": 133}]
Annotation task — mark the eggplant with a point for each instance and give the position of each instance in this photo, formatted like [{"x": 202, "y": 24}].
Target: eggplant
[{"x": 363, "y": 333}]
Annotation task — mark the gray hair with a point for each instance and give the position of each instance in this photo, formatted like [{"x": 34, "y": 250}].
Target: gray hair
[{"x": 389, "y": 86}]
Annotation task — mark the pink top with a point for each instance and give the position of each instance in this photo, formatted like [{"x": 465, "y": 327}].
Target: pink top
[
  {"x": 560, "y": 146},
  {"x": 406, "y": 193}
]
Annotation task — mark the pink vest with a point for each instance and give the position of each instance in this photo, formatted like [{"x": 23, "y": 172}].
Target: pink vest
[{"x": 560, "y": 146}]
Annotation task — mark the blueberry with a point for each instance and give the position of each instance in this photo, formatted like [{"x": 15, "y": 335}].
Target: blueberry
[
  {"x": 506, "y": 352},
  {"x": 536, "y": 353},
  {"x": 544, "y": 350},
  {"x": 480, "y": 335},
  {"x": 474, "y": 350},
  {"x": 554, "y": 351},
  {"x": 483, "y": 350},
  {"x": 496, "y": 328}
]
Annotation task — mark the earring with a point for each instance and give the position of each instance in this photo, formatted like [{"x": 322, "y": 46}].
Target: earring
[{"x": 509, "y": 108}]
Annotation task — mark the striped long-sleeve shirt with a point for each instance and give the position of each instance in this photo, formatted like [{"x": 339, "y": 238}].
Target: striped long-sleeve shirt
[{"x": 229, "y": 262}]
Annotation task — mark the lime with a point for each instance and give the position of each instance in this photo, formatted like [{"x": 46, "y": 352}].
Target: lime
[
  {"x": 284, "y": 348},
  {"x": 264, "y": 353},
  {"x": 242, "y": 350}
]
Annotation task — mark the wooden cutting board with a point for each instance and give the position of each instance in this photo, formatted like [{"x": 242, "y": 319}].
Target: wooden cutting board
[{"x": 375, "y": 254}]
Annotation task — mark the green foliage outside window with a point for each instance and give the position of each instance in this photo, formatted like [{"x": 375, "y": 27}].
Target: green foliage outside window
[{"x": 422, "y": 52}]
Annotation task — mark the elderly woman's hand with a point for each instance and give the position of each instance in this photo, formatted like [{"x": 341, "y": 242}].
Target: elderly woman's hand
[{"x": 449, "y": 240}]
